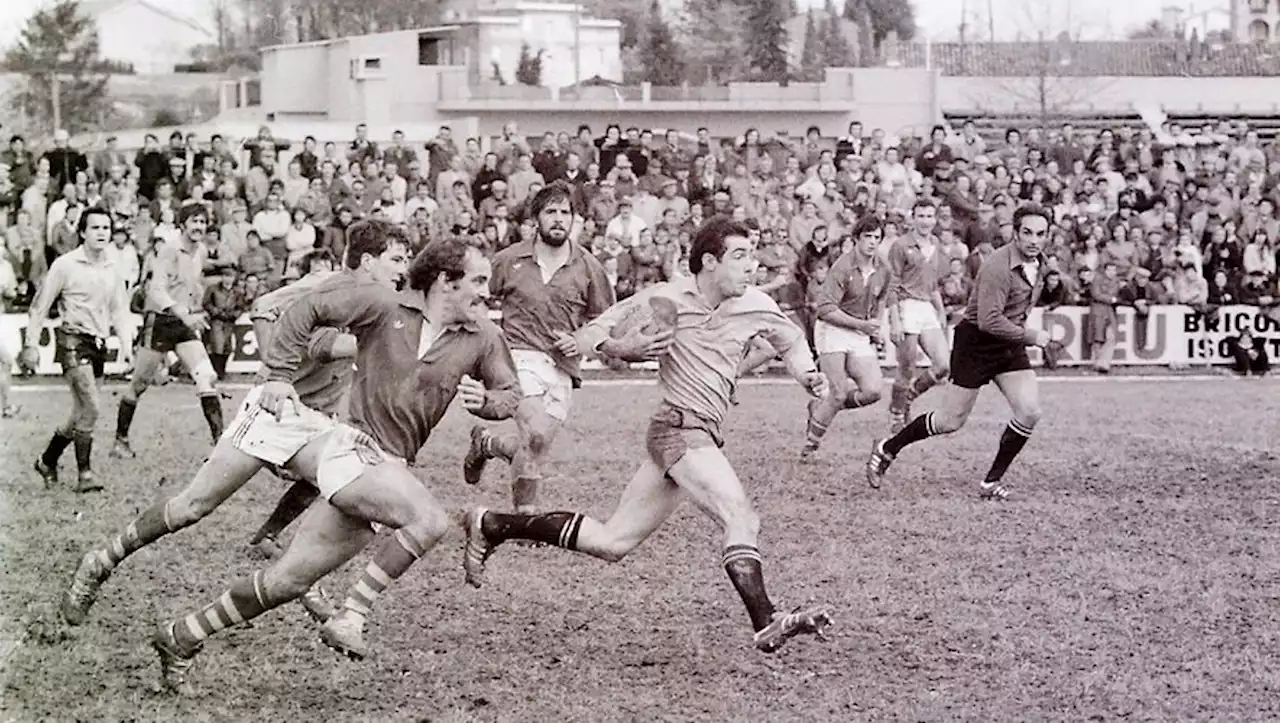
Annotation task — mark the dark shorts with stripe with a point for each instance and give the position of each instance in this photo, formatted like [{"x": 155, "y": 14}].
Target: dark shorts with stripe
[
  {"x": 74, "y": 349},
  {"x": 164, "y": 332},
  {"x": 978, "y": 357},
  {"x": 673, "y": 432}
]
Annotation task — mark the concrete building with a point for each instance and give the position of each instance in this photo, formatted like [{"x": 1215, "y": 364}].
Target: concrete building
[
  {"x": 145, "y": 34},
  {"x": 1255, "y": 21}
]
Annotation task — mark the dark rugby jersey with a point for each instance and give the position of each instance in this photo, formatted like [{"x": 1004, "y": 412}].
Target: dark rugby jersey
[
  {"x": 396, "y": 397},
  {"x": 534, "y": 312},
  {"x": 846, "y": 289},
  {"x": 1003, "y": 295},
  {"x": 915, "y": 275}
]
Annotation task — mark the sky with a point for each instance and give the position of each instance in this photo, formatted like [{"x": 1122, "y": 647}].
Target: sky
[{"x": 938, "y": 19}]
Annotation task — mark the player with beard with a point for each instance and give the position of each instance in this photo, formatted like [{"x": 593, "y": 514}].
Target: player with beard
[
  {"x": 417, "y": 350},
  {"x": 85, "y": 285},
  {"x": 254, "y": 441},
  {"x": 716, "y": 313},
  {"x": 549, "y": 288},
  {"x": 173, "y": 321},
  {"x": 990, "y": 346}
]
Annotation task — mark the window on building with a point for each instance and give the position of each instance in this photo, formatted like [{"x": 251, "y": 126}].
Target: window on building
[
  {"x": 435, "y": 49},
  {"x": 1259, "y": 31},
  {"x": 1259, "y": 6}
]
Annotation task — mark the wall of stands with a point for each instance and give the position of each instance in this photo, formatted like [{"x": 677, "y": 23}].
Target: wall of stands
[{"x": 1173, "y": 335}]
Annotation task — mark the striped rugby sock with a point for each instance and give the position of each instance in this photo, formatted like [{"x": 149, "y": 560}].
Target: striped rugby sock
[
  {"x": 245, "y": 600},
  {"x": 746, "y": 572},
  {"x": 394, "y": 558},
  {"x": 552, "y": 528},
  {"x": 920, "y": 428},
  {"x": 150, "y": 526},
  {"x": 1012, "y": 440}
]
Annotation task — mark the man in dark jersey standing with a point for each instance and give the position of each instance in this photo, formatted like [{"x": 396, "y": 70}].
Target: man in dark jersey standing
[{"x": 990, "y": 346}]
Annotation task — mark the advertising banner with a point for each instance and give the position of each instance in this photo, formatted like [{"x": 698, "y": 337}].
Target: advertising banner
[{"x": 1169, "y": 335}]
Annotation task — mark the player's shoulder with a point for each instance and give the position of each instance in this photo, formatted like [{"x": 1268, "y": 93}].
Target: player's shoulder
[
  {"x": 512, "y": 253},
  {"x": 756, "y": 300},
  {"x": 489, "y": 331}
]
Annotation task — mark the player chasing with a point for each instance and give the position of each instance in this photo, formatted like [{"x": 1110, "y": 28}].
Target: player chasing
[
  {"x": 84, "y": 284},
  {"x": 917, "y": 316},
  {"x": 174, "y": 322},
  {"x": 990, "y": 345},
  {"x": 548, "y": 288},
  {"x": 717, "y": 312},
  {"x": 849, "y": 302},
  {"x": 255, "y": 440},
  {"x": 417, "y": 350}
]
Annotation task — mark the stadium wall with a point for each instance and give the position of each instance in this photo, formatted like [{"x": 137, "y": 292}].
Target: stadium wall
[
  {"x": 1176, "y": 335},
  {"x": 1257, "y": 95}
]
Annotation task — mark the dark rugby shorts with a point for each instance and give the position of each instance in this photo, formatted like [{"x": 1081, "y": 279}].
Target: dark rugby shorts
[
  {"x": 74, "y": 349},
  {"x": 164, "y": 332},
  {"x": 977, "y": 357}
]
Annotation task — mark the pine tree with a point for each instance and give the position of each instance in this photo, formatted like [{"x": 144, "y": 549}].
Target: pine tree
[
  {"x": 881, "y": 17},
  {"x": 836, "y": 51},
  {"x": 809, "y": 64},
  {"x": 661, "y": 56},
  {"x": 767, "y": 39},
  {"x": 529, "y": 67},
  {"x": 59, "y": 38}
]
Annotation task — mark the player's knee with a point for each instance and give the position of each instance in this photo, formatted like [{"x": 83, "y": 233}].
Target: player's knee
[
  {"x": 941, "y": 369},
  {"x": 204, "y": 376},
  {"x": 136, "y": 387},
  {"x": 429, "y": 524},
  {"x": 870, "y": 396},
  {"x": 616, "y": 549},
  {"x": 281, "y": 584},
  {"x": 743, "y": 523},
  {"x": 1028, "y": 415},
  {"x": 945, "y": 422},
  {"x": 90, "y": 410}
]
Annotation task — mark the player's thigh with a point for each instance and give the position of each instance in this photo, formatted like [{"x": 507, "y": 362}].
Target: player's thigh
[
  {"x": 326, "y": 538},
  {"x": 1022, "y": 390},
  {"x": 934, "y": 343},
  {"x": 387, "y": 493},
  {"x": 146, "y": 362},
  {"x": 225, "y": 472},
  {"x": 864, "y": 370},
  {"x": 646, "y": 502},
  {"x": 833, "y": 365},
  {"x": 195, "y": 358},
  {"x": 705, "y": 475}
]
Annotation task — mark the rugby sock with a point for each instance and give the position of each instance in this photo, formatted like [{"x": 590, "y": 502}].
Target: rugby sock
[
  {"x": 1012, "y": 441},
  {"x": 84, "y": 449},
  {"x": 921, "y": 384},
  {"x": 245, "y": 600},
  {"x": 919, "y": 429},
  {"x": 898, "y": 395},
  {"x": 58, "y": 444},
  {"x": 394, "y": 558},
  {"x": 212, "y": 408},
  {"x": 553, "y": 528},
  {"x": 742, "y": 563},
  {"x": 294, "y": 502},
  {"x": 124, "y": 417},
  {"x": 820, "y": 416},
  {"x": 150, "y": 526},
  {"x": 502, "y": 446}
]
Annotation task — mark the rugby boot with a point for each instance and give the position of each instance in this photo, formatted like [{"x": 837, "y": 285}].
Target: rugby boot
[
  {"x": 122, "y": 450},
  {"x": 474, "y": 463},
  {"x": 878, "y": 464},
  {"x": 785, "y": 626},
  {"x": 48, "y": 474},
  {"x": 86, "y": 482},
  {"x": 344, "y": 633},
  {"x": 478, "y": 549},
  {"x": 80, "y": 595},
  {"x": 317, "y": 604},
  {"x": 992, "y": 491},
  {"x": 174, "y": 661}
]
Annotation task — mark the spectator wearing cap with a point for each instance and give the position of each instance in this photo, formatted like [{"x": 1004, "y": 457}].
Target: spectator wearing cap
[{"x": 623, "y": 176}]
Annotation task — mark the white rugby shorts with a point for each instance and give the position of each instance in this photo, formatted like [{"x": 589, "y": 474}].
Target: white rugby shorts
[
  {"x": 540, "y": 377},
  {"x": 258, "y": 434},
  {"x": 832, "y": 339},
  {"x": 918, "y": 316}
]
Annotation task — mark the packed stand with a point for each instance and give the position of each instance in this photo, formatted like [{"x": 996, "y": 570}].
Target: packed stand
[{"x": 1189, "y": 219}]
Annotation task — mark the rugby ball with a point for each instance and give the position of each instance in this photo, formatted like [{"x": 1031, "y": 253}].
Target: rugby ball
[{"x": 657, "y": 316}]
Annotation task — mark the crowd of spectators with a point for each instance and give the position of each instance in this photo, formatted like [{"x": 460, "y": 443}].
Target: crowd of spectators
[{"x": 1184, "y": 216}]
